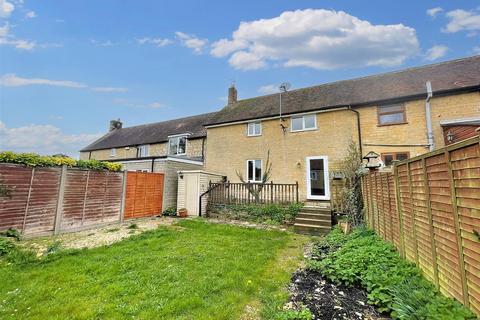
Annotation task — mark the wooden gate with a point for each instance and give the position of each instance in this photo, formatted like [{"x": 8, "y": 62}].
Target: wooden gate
[{"x": 144, "y": 194}]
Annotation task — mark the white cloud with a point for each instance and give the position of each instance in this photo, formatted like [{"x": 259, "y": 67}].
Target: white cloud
[
  {"x": 436, "y": 52},
  {"x": 462, "y": 20},
  {"x": 476, "y": 50},
  {"x": 9, "y": 40},
  {"x": 109, "y": 89},
  {"x": 434, "y": 11},
  {"x": 192, "y": 42},
  {"x": 6, "y": 8},
  {"x": 30, "y": 14},
  {"x": 127, "y": 103},
  {"x": 320, "y": 39},
  {"x": 43, "y": 139},
  {"x": 158, "y": 42},
  {"x": 107, "y": 43},
  {"x": 268, "y": 89},
  {"x": 12, "y": 80}
]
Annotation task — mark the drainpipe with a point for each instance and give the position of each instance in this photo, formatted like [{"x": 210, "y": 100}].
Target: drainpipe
[
  {"x": 428, "y": 116},
  {"x": 359, "y": 130}
]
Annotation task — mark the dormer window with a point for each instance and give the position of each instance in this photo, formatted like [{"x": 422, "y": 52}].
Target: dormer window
[
  {"x": 177, "y": 145},
  {"x": 143, "y": 150},
  {"x": 254, "y": 129}
]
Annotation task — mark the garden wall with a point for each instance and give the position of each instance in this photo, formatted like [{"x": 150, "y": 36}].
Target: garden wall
[
  {"x": 429, "y": 208},
  {"x": 50, "y": 200}
]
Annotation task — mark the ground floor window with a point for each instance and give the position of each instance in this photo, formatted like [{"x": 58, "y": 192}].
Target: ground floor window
[
  {"x": 388, "y": 158},
  {"x": 254, "y": 170}
]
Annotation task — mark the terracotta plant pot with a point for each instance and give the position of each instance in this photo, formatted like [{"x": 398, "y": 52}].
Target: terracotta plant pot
[{"x": 183, "y": 213}]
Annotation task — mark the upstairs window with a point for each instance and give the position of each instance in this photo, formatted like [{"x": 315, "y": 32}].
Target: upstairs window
[
  {"x": 388, "y": 158},
  {"x": 113, "y": 152},
  {"x": 143, "y": 150},
  {"x": 177, "y": 145},
  {"x": 391, "y": 114},
  {"x": 254, "y": 170},
  {"x": 254, "y": 129},
  {"x": 303, "y": 123}
]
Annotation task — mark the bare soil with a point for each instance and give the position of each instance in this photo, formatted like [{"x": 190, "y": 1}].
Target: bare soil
[{"x": 96, "y": 237}]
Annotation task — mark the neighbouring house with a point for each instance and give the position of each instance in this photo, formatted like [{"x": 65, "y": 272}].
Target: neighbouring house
[
  {"x": 166, "y": 147},
  {"x": 307, "y": 131}
]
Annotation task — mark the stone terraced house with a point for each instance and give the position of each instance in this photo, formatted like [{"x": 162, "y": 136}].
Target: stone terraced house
[
  {"x": 307, "y": 135},
  {"x": 166, "y": 147}
]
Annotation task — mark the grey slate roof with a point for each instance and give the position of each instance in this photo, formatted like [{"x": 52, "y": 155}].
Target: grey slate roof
[
  {"x": 152, "y": 132},
  {"x": 461, "y": 74}
]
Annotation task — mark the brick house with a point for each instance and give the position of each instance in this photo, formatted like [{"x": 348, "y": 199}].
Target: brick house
[
  {"x": 308, "y": 136},
  {"x": 166, "y": 147}
]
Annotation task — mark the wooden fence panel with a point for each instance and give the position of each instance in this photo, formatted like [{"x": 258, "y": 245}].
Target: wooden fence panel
[
  {"x": 430, "y": 209},
  {"x": 144, "y": 194},
  {"x": 466, "y": 175},
  {"x": 74, "y": 198}
]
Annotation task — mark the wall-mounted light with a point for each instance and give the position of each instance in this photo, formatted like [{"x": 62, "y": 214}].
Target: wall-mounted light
[{"x": 450, "y": 136}]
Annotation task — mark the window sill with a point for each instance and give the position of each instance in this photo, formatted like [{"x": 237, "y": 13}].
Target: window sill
[
  {"x": 391, "y": 124},
  {"x": 254, "y": 135},
  {"x": 313, "y": 129}
]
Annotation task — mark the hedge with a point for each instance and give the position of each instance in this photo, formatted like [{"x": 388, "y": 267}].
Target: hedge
[{"x": 34, "y": 160}]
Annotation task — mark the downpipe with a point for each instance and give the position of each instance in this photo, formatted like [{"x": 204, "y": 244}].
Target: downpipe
[{"x": 428, "y": 116}]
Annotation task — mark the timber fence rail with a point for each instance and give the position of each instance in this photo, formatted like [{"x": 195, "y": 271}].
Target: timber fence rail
[
  {"x": 429, "y": 208},
  {"x": 227, "y": 193},
  {"x": 51, "y": 200}
]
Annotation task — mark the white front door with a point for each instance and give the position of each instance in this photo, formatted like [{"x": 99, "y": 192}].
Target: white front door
[
  {"x": 318, "y": 186},
  {"x": 192, "y": 193}
]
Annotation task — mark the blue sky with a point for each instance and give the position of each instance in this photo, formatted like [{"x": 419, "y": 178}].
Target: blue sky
[{"x": 68, "y": 67}]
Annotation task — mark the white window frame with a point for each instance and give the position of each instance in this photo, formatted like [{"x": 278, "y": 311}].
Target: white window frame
[
  {"x": 314, "y": 115},
  {"x": 143, "y": 150},
  {"x": 113, "y": 152},
  {"x": 254, "y": 123},
  {"x": 261, "y": 171},
  {"x": 325, "y": 177},
  {"x": 177, "y": 137}
]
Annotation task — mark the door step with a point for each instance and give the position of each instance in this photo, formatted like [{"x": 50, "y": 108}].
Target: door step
[
  {"x": 313, "y": 221},
  {"x": 311, "y": 229}
]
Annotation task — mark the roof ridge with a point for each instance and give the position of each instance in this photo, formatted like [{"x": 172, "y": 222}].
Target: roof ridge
[
  {"x": 369, "y": 76},
  {"x": 165, "y": 121}
]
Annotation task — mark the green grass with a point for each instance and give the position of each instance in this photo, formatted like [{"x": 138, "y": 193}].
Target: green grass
[{"x": 194, "y": 270}]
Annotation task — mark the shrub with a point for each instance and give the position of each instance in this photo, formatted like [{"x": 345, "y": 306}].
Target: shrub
[
  {"x": 170, "y": 212},
  {"x": 13, "y": 254},
  {"x": 364, "y": 259},
  {"x": 269, "y": 213},
  {"x": 11, "y": 233},
  {"x": 303, "y": 314},
  {"x": 34, "y": 160},
  {"x": 6, "y": 246}
]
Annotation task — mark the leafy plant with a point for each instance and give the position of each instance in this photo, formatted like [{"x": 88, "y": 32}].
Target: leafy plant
[
  {"x": 303, "y": 314},
  {"x": 351, "y": 194},
  {"x": 270, "y": 213},
  {"x": 34, "y": 160},
  {"x": 6, "y": 246},
  {"x": 170, "y": 212},
  {"x": 393, "y": 284},
  {"x": 11, "y": 233},
  {"x": 133, "y": 226},
  {"x": 54, "y": 247}
]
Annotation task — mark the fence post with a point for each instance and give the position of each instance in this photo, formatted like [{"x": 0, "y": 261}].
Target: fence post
[
  {"x": 296, "y": 191},
  {"x": 430, "y": 220},
  {"x": 61, "y": 194},
  {"x": 461, "y": 261},
  {"x": 28, "y": 201},
  {"x": 124, "y": 196},
  {"x": 398, "y": 202},
  {"x": 248, "y": 192},
  {"x": 271, "y": 191},
  {"x": 228, "y": 191}
]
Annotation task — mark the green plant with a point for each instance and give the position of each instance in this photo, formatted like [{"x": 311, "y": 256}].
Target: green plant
[
  {"x": 11, "y": 253},
  {"x": 362, "y": 258},
  {"x": 170, "y": 212},
  {"x": 6, "y": 246},
  {"x": 113, "y": 229},
  {"x": 54, "y": 247},
  {"x": 303, "y": 314},
  {"x": 34, "y": 160},
  {"x": 11, "y": 233},
  {"x": 351, "y": 195},
  {"x": 133, "y": 226}
]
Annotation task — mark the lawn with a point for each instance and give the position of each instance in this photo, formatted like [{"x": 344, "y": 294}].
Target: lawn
[{"x": 194, "y": 270}]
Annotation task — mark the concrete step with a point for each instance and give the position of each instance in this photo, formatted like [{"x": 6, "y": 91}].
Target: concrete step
[
  {"x": 314, "y": 222},
  {"x": 315, "y": 210},
  {"x": 311, "y": 229},
  {"x": 319, "y": 216}
]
